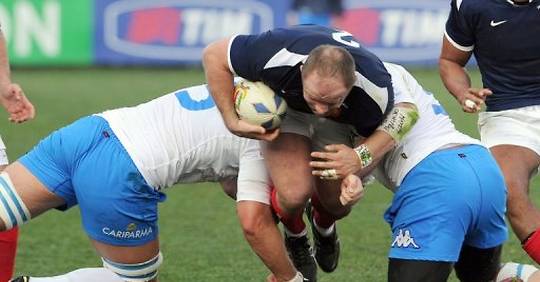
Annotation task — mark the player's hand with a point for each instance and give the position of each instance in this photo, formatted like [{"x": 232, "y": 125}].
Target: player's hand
[
  {"x": 16, "y": 104},
  {"x": 271, "y": 278},
  {"x": 336, "y": 162},
  {"x": 352, "y": 190},
  {"x": 473, "y": 99},
  {"x": 244, "y": 129}
]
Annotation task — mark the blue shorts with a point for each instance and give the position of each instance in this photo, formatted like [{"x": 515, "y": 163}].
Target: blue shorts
[
  {"x": 85, "y": 164},
  {"x": 453, "y": 197}
]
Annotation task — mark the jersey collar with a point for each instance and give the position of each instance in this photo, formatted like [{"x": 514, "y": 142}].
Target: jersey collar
[{"x": 514, "y": 4}]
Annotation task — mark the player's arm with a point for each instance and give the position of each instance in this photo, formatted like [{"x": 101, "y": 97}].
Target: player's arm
[
  {"x": 220, "y": 83},
  {"x": 12, "y": 96},
  {"x": 458, "y": 44},
  {"x": 339, "y": 160}
]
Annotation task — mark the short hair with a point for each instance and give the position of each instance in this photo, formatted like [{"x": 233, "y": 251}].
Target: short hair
[{"x": 331, "y": 61}]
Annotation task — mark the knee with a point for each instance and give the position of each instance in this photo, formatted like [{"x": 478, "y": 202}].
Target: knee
[
  {"x": 136, "y": 272},
  {"x": 252, "y": 225},
  {"x": 293, "y": 201}
]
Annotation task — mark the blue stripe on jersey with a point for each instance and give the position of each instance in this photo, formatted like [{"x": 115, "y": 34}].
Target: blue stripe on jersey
[{"x": 506, "y": 40}]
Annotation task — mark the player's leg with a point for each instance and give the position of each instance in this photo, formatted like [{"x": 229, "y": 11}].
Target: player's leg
[
  {"x": 480, "y": 255},
  {"x": 403, "y": 270},
  {"x": 511, "y": 271},
  {"x": 519, "y": 164},
  {"x": 512, "y": 137},
  {"x": 287, "y": 159},
  {"x": 439, "y": 202},
  {"x": 100, "y": 274},
  {"x": 478, "y": 265},
  {"x": 261, "y": 231},
  {"x": 118, "y": 208},
  {"x": 325, "y": 208},
  {"x": 8, "y": 239},
  {"x": 256, "y": 217},
  {"x": 23, "y": 196}
]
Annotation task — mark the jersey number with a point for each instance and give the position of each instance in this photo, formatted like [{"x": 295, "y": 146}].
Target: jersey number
[
  {"x": 339, "y": 37},
  {"x": 188, "y": 103}
]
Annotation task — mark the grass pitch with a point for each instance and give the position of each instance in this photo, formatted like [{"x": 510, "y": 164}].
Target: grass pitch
[{"x": 200, "y": 235}]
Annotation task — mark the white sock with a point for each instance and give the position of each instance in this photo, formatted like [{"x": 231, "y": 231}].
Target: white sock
[
  {"x": 82, "y": 275},
  {"x": 325, "y": 232},
  {"x": 290, "y": 234},
  {"x": 515, "y": 270}
]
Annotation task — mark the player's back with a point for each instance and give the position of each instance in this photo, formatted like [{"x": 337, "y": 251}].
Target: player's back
[
  {"x": 179, "y": 138},
  {"x": 505, "y": 39},
  {"x": 433, "y": 130}
]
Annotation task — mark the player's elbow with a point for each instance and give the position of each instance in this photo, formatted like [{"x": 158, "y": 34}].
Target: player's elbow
[{"x": 215, "y": 52}]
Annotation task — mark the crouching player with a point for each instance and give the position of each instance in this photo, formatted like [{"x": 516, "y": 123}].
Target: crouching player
[
  {"x": 449, "y": 203},
  {"x": 116, "y": 165}
]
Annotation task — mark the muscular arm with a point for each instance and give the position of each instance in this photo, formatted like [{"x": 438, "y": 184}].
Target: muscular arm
[
  {"x": 4, "y": 65},
  {"x": 220, "y": 83},
  {"x": 456, "y": 79},
  {"x": 220, "y": 79},
  {"x": 346, "y": 161},
  {"x": 12, "y": 96}
]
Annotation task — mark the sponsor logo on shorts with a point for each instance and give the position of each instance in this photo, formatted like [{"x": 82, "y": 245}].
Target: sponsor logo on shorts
[
  {"x": 130, "y": 232},
  {"x": 404, "y": 240}
]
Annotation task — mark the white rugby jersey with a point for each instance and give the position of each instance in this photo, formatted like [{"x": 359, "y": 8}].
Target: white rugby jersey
[
  {"x": 434, "y": 130},
  {"x": 181, "y": 138}
]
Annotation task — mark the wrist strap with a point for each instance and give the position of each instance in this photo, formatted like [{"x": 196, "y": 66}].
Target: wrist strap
[{"x": 364, "y": 155}]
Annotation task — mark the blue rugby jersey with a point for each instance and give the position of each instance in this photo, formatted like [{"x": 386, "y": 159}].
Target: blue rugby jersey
[
  {"x": 275, "y": 57},
  {"x": 505, "y": 39}
]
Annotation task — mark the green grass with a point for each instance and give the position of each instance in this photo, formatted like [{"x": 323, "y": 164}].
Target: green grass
[{"x": 200, "y": 235}]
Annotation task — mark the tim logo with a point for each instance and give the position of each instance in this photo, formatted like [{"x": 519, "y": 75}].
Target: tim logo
[
  {"x": 404, "y": 240},
  {"x": 179, "y": 29},
  {"x": 397, "y": 30}
]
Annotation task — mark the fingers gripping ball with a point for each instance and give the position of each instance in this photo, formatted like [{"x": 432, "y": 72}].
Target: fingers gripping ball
[{"x": 258, "y": 104}]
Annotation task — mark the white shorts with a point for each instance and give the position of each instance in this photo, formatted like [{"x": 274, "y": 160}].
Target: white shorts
[
  {"x": 253, "y": 182},
  {"x": 3, "y": 154},
  {"x": 321, "y": 131},
  {"x": 520, "y": 127}
]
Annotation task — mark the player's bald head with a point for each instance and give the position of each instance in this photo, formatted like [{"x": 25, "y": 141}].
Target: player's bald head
[{"x": 332, "y": 62}]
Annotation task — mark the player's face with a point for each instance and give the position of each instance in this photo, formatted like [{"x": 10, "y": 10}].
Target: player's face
[{"x": 324, "y": 95}]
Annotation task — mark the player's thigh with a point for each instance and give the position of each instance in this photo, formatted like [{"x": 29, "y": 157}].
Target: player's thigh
[
  {"x": 403, "y": 270},
  {"x": 478, "y": 265},
  {"x": 518, "y": 165},
  {"x": 287, "y": 159},
  {"x": 514, "y": 138},
  {"x": 33, "y": 193}
]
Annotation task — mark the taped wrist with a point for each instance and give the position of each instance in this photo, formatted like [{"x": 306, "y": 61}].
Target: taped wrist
[
  {"x": 399, "y": 122},
  {"x": 364, "y": 155}
]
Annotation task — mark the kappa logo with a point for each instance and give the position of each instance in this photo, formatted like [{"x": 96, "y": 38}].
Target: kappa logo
[{"x": 404, "y": 240}]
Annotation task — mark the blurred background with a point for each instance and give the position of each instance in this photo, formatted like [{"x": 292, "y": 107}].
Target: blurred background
[
  {"x": 79, "y": 57},
  {"x": 174, "y": 32}
]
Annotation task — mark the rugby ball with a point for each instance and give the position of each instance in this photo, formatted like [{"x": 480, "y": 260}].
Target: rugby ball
[{"x": 258, "y": 104}]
